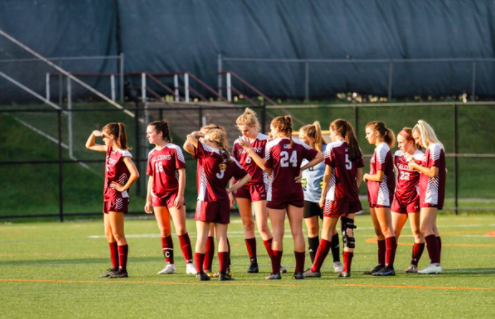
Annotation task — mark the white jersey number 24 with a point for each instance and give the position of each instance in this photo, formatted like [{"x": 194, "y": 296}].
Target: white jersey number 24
[{"x": 285, "y": 160}]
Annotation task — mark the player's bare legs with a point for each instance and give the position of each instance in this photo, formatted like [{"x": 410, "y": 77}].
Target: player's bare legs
[
  {"x": 179, "y": 218},
  {"x": 277, "y": 217},
  {"x": 398, "y": 221},
  {"x": 223, "y": 250},
  {"x": 162, "y": 215},
  {"x": 261, "y": 213},
  {"x": 295, "y": 215},
  {"x": 117, "y": 225},
  {"x": 112, "y": 243},
  {"x": 428, "y": 228}
]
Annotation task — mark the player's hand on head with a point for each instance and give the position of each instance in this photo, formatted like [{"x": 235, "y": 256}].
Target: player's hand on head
[{"x": 97, "y": 133}]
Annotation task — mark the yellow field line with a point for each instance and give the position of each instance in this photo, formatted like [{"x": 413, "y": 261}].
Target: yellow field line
[{"x": 127, "y": 282}]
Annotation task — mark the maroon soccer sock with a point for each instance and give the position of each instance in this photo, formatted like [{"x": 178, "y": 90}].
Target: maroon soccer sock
[
  {"x": 168, "y": 249},
  {"x": 251, "y": 247},
  {"x": 347, "y": 260},
  {"x": 268, "y": 246},
  {"x": 432, "y": 246},
  {"x": 335, "y": 248},
  {"x": 210, "y": 251},
  {"x": 185, "y": 246},
  {"x": 300, "y": 256},
  {"x": 321, "y": 254},
  {"x": 439, "y": 248},
  {"x": 381, "y": 252},
  {"x": 276, "y": 261},
  {"x": 391, "y": 248},
  {"x": 223, "y": 258},
  {"x": 199, "y": 260},
  {"x": 417, "y": 251},
  {"x": 114, "y": 255},
  {"x": 123, "y": 252}
]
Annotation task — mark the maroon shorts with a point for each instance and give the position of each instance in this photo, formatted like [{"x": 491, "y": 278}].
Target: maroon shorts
[
  {"x": 253, "y": 192},
  {"x": 340, "y": 208},
  {"x": 166, "y": 200},
  {"x": 282, "y": 204},
  {"x": 401, "y": 207},
  {"x": 213, "y": 212},
  {"x": 116, "y": 204}
]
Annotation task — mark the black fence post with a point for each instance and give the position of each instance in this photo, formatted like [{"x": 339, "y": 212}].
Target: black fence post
[
  {"x": 200, "y": 117},
  {"x": 456, "y": 169},
  {"x": 60, "y": 168},
  {"x": 356, "y": 119},
  {"x": 138, "y": 146},
  {"x": 263, "y": 117}
]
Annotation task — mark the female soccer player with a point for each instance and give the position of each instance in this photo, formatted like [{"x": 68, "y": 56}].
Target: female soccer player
[
  {"x": 254, "y": 192},
  {"x": 431, "y": 191},
  {"x": 406, "y": 196},
  {"x": 381, "y": 184},
  {"x": 217, "y": 167},
  {"x": 120, "y": 174},
  {"x": 312, "y": 180},
  {"x": 283, "y": 157},
  {"x": 166, "y": 185},
  {"x": 339, "y": 196}
]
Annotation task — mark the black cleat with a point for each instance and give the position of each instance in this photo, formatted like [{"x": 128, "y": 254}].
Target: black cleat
[
  {"x": 273, "y": 276},
  {"x": 119, "y": 274},
  {"x": 376, "y": 269},
  {"x": 298, "y": 275},
  {"x": 387, "y": 271},
  {"x": 110, "y": 271},
  {"x": 202, "y": 276},
  {"x": 283, "y": 270},
  {"x": 224, "y": 276},
  {"x": 253, "y": 269},
  {"x": 345, "y": 274},
  {"x": 310, "y": 273}
]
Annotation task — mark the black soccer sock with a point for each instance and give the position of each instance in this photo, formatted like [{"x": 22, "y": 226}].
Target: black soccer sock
[
  {"x": 335, "y": 248},
  {"x": 313, "y": 243}
]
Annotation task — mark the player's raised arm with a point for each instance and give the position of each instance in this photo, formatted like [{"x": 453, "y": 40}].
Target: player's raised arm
[{"x": 91, "y": 145}]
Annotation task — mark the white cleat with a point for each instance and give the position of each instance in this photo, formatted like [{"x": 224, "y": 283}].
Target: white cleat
[
  {"x": 190, "y": 269},
  {"x": 169, "y": 269},
  {"x": 338, "y": 267},
  {"x": 431, "y": 269}
]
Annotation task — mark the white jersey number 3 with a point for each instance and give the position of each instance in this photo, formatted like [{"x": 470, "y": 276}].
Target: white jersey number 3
[
  {"x": 221, "y": 174},
  {"x": 285, "y": 160}
]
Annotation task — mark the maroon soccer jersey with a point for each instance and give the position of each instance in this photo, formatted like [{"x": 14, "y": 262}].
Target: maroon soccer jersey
[
  {"x": 407, "y": 180},
  {"x": 381, "y": 193},
  {"x": 343, "y": 184},
  {"x": 211, "y": 179},
  {"x": 432, "y": 189},
  {"x": 115, "y": 171},
  {"x": 285, "y": 160},
  {"x": 163, "y": 165},
  {"x": 258, "y": 176}
]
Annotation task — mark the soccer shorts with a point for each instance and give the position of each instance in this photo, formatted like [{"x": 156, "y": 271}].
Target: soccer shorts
[{"x": 213, "y": 212}]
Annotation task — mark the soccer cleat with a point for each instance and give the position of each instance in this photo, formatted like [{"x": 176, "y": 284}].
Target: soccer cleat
[
  {"x": 229, "y": 272},
  {"x": 299, "y": 275},
  {"x": 345, "y": 274},
  {"x": 110, "y": 271},
  {"x": 169, "y": 269},
  {"x": 224, "y": 276},
  {"x": 273, "y": 276},
  {"x": 411, "y": 269},
  {"x": 376, "y": 269},
  {"x": 209, "y": 273},
  {"x": 431, "y": 269},
  {"x": 202, "y": 277},
  {"x": 283, "y": 270},
  {"x": 310, "y": 273},
  {"x": 387, "y": 271},
  {"x": 119, "y": 274},
  {"x": 253, "y": 269},
  {"x": 190, "y": 269},
  {"x": 338, "y": 267}
]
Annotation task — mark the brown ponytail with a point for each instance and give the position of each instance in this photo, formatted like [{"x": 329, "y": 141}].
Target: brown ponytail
[
  {"x": 314, "y": 131},
  {"x": 118, "y": 130},
  {"x": 164, "y": 128},
  {"x": 284, "y": 124},
  {"x": 345, "y": 130},
  {"x": 386, "y": 133}
]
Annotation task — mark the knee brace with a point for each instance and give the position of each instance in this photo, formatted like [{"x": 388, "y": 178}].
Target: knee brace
[{"x": 348, "y": 224}]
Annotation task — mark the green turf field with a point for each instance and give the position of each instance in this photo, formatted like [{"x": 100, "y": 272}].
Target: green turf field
[{"x": 50, "y": 270}]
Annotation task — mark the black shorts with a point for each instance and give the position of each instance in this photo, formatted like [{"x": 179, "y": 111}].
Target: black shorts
[{"x": 312, "y": 209}]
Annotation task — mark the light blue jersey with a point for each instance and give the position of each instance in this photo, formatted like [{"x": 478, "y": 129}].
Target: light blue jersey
[{"x": 312, "y": 179}]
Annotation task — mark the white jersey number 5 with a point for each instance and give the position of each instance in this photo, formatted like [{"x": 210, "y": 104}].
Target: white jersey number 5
[{"x": 284, "y": 159}]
